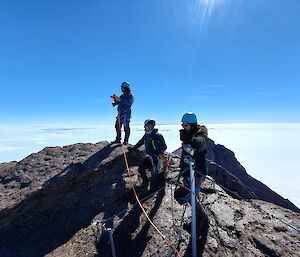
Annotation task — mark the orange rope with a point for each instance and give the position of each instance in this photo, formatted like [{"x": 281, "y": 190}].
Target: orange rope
[{"x": 169, "y": 243}]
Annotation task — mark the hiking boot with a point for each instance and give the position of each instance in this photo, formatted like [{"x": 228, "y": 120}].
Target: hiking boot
[
  {"x": 117, "y": 141},
  {"x": 125, "y": 143}
]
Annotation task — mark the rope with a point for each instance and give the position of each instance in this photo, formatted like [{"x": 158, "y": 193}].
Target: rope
[
  {"x": 168, "y": 242},
  {"x": 134, "y": 205}
]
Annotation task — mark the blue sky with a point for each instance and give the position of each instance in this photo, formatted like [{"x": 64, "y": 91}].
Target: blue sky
[{"x": 225, "y": 60}]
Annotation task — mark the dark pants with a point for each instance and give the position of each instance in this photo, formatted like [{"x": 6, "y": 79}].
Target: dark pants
[
  {"x": 157, "y": 180},
  {"x": 126, "y": 129}
]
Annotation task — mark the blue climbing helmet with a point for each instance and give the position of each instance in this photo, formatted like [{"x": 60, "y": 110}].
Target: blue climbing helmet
[
  {"x": 150, "y": 122},
  {"x": 125, "y": 84},
  {"x": 189, "y": 118}
]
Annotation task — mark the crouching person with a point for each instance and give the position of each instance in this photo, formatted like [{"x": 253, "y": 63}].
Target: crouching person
[
  {"x": 194, "y": 137},
  {"x": 155, "y": 147}
]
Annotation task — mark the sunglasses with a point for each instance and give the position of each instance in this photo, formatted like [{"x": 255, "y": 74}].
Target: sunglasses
[{"x": 185, "y": 125}]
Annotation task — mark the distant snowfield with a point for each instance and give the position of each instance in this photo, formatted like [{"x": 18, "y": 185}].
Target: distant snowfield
[{"x": 269, "y": 152}]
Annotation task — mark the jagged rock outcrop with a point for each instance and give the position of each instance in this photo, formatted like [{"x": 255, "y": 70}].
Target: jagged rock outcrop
[
  {"x": 225, "y": 159},
  {"x": 54, "y": 202}
]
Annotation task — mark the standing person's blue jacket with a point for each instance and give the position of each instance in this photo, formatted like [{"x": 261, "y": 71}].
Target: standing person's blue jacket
[{"x": 124, "y": 106}]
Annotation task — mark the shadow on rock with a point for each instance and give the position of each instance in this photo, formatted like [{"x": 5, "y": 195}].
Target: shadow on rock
[
  {"x": 202, "y": 223},
  {"x": 126, "y": 243},
  {"x": 202, "y": 232},
  {"x": 67, "y": 203}
]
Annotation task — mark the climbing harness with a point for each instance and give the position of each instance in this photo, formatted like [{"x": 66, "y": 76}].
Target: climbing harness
[{"x": 163, "y": 165}]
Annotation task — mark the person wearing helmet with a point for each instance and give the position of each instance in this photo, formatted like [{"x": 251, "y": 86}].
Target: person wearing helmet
[
  {"x": 155, "y": 147},
  {"x": 124, "y": 103},
  {"x": 194, "y": 137}
]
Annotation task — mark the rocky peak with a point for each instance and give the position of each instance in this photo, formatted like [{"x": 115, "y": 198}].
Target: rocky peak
[{"x": 54, "y": 203}]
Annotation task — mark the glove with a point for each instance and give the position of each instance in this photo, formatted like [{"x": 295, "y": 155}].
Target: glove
[
  {"x": 188, "y": 149},
  {"x": 129, "y": 148}
]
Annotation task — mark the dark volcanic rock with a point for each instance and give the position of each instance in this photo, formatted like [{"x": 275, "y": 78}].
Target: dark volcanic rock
[
  {"x": 229, "y": 181},
  {"x": 53, "y": 203},
  {"x": 226, "y": 160}
]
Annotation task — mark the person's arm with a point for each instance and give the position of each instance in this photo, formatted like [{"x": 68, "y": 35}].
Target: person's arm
[
  {"x": 116, "y": 100},
  {"x": 139, "y": 143},
  {"x": 127, "y": 100},
  {"x": 162, "y": 144},
  {"x": 198, "y": 142}
]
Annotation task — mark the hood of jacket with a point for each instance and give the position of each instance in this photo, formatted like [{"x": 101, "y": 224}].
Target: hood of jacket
[
  {"x": 153, "y": 132},
  {"x": 202, "y": 130}
]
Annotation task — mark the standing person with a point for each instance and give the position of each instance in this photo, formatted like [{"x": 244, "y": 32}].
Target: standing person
[
  {"x": 194, "y": 137},
  {"x": 155, "y": 147},
  {"x": 124, "y": 103}
]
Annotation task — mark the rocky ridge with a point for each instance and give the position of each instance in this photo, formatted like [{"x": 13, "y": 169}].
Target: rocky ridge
[{"x": 54, "y": 203}]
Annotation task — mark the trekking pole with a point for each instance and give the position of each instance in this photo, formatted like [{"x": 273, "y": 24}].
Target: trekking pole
[
  {"x": 111, "y": 239},
  {"x": 190, "y": 161}
]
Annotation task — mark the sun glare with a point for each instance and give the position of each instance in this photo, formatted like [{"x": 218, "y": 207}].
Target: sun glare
[
  {"x": 205, "y": 9},
  {"x": 207, "y": 2}
]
